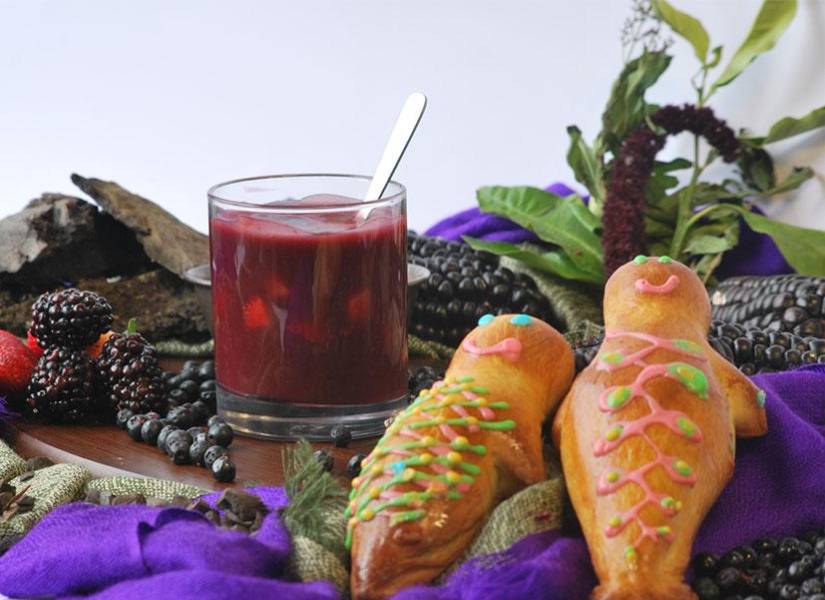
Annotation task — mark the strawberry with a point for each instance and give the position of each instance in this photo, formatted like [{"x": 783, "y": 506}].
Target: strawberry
[
  {"x": 95, "y": 349},
  {"x": 255, "y": 314},
  {"x": 17, "y": 363},
  {"x": 34, "y": 346}
]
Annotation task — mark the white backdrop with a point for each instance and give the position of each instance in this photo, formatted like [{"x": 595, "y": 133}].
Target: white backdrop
[{"x": 168, "y": 98}]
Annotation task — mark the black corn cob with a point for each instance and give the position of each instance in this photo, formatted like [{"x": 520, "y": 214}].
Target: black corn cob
[
  {"x": 463, "y": 285},
  {"x": 791, "y": 303},
  {"x": 751, "y": 350}
]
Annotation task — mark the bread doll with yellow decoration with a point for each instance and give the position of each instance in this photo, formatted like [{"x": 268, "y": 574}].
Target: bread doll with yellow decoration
[
  {"x": 458, "y": 450},
  {"x": 647, "y": 433}
]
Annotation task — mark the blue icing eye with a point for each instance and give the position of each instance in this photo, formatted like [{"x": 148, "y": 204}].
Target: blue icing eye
[
  {"x": 486, "y": 319},
  {"x": 760, "y": 398},
  {"x": 398, "y": 467},
  {"x": 522, "y": 320}
]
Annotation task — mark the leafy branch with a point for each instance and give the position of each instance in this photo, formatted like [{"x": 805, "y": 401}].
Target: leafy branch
[{"x": 696, "y": 222}]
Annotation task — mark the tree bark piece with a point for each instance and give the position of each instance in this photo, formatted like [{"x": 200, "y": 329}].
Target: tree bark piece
[{"x": 166, "y": 240}]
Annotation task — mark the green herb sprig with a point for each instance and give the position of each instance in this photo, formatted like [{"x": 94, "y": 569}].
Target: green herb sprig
[{"x": 696, "y": 222}]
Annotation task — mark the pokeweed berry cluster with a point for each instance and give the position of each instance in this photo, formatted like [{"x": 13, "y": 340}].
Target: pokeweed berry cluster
[{"x": 624, "y": 206}]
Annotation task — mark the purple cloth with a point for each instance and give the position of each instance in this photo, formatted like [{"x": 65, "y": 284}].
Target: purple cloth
[
  {"x": 756, "y": 253},
  {"x": 141, "y": 552}
]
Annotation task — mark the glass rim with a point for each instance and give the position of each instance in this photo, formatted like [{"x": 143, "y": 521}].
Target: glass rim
[{"x": 214, "y": 195}]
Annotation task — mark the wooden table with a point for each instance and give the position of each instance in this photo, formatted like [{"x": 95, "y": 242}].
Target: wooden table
[{"x": 107, "y": 450}]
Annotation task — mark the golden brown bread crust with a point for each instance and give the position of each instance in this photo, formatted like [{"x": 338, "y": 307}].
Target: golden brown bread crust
[
  {"x": 518, "y": 368},
  {"x": 647, "y": 432}
]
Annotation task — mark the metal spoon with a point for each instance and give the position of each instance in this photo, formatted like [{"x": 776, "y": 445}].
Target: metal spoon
[{"x": 400, "y": 137}]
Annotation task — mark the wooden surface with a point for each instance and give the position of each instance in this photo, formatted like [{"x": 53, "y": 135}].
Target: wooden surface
[{"x": 107, "y": 450}]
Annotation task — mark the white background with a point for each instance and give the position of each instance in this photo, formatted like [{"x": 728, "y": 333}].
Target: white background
[{"x": 169, "y": 97}]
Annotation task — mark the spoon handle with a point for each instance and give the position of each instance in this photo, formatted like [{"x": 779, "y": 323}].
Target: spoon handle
[{"x": 404, "y": 129}]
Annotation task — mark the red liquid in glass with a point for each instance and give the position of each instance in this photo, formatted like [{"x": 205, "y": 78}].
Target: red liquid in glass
[{"x": 310, "y": 309}]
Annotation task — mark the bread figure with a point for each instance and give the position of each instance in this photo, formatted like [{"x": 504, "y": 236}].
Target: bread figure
[
  {"x": 647, "y": 433},
  {"x": 460, "y": 448}
]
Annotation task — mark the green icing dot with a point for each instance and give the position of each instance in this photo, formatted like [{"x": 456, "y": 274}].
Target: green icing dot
[
  {"x": 760, "y": 398},
  {"x": 668, "y": 502},
  {"x": 465, "y": 379},
  {"x": 640, "y": 259},
  {"x": 614, "y": 433},
  {"x": 689, "y": 376},
  {"x": 665, "y": 260},
  {"x": 687, "y": 426},
  {"x": 682, "y": 468},
  {"x": 612, "y": 358},
  {"x": 688, "y": 346},
  {"x": 630, "y": 553},
  {"x": 618, "y": 397}
]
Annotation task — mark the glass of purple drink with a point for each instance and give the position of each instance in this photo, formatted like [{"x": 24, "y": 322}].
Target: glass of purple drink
[{"x": 309, "y": 304}]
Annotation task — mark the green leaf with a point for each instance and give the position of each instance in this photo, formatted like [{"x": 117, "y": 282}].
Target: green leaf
[
  {"x": 586, "y": 167},
  {"x": 756, "y": 168},
  {"x": 790, "y": 127},
  {"x": 771, "y": 22},
  {"x": 795, "y": 178},
  {"x": 553, "y": 261},
  {"x": 565, "y": 222},
  {"x": 626, "y": 107},
  {"x": 707, "y": 244},
  {"x": 709, "y": 193},
  {"x": 686, "y": 26},
  {"x": 716, "y": 56},
  {"x": 803, "y": 248}
]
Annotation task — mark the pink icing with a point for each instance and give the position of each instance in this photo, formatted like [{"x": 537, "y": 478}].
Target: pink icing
[
  {"x": 509, "y": 348},
  {"x": 645, "y": 287},
  {"x": 638, "y": 427}
]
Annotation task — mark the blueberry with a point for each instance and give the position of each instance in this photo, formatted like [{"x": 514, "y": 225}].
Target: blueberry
[
  {"x": 215, "y": 419},
  {"x": 198, "y": 448},
  {"x": 325, "y": 458},
  {"x": 207, "y": 386},
  {"x": 220, "y": 434},
  {"x": 354, "y": 465},
  {"x": 789, "y": 591},
  {"x": 177, "y": 397},
  {"x": 212, "y": 453},
  {"x": 181, "y": 416},
  {"x": 178, "y": 451},
  {"x": 223, "y": 469},
  {"x": 207, "y": 370},
  {"x": 164, "y": 433},
  {"x": 134, "y": 425},
  {"x": 200, "y": 412},
  {"x": 177, "y": 437},
  {"x": 150, "y": 431},
  {"x": 194, "y": 431},
  {"x": 210, "y": 399},
  {"x": 123, "y": 415},
  {"x": 191, "y": 388},
  {"x": 341, "y": 436}
]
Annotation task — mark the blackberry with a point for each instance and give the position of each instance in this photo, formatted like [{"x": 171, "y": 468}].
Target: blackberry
[
  {"x": 465, "y": 284},
  {"x": 62, "y": 386},
  {"x": 70, "y": 318},
  {"x": 128, "y": 373}
]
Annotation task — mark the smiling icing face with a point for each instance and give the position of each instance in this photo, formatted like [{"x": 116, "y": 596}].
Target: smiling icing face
[{"x": 655, "y": 290}]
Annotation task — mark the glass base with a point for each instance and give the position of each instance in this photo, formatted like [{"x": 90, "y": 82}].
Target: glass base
[{"x": 289, "y": 422}]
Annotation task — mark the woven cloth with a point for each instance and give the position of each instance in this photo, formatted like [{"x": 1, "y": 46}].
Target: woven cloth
[{"x": 161, "y": 489}]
